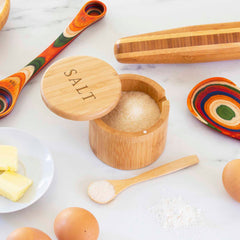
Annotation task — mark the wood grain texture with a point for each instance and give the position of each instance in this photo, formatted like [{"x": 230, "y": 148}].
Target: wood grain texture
[
  {"x": 216, "y": 103},
  {"x": 132, "y": 150},
  {"x": 203, "y": 43},
  {"x": 4, "y": 12},
  {"x": 120, "y": 185},
  {"x": 81, "y": 88}
]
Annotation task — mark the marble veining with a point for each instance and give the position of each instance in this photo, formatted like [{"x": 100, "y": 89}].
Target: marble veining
[{"x": 31, "y": 27}]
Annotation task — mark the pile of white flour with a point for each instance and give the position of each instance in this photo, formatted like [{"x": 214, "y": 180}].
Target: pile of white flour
[{"x": 176, "y": 213}]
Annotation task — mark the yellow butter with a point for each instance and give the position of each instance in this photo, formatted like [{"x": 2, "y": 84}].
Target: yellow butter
[
  {"x": 13, "y": 185},
  {"x": 8, "y": 158}
]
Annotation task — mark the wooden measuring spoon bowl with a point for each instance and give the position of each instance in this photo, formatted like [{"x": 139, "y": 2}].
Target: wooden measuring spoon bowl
[
  {"x": 216, "y": 103},
  {"x": 11, "y": 86},
  {"x": 106, "y": 190}
]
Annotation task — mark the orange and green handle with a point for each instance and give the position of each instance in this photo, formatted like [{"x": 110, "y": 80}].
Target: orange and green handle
[{"x": 11, "y": 86}]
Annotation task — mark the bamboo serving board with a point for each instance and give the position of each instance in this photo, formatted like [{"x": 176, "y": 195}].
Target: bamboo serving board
[{"x": 202, "y": 43}]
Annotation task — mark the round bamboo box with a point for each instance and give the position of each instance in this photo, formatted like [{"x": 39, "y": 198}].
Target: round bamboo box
[
  {"x": 86, "y": 88},
  {"x": 124, "y": 150}
]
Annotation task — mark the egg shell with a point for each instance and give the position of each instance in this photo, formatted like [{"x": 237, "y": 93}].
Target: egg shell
[
  {"x": 231, "y": 179},
  {"x": 76, "y": 224},
  {"x": 27, "y": 233}
]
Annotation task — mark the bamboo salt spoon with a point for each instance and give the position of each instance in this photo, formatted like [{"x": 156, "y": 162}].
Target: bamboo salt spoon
[
  {"x": 11, "y": 86},
  {"x": 105, "y": 191}
]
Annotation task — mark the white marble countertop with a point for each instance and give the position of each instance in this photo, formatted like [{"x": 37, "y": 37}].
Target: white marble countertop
[{"x": 31, "y": 27}]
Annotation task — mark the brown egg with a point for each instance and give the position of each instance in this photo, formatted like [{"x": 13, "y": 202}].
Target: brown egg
[
  {"x": 76, "y": 224},
  {"x": 231, "y": 179},
  {"x": 28, "y": 233}
]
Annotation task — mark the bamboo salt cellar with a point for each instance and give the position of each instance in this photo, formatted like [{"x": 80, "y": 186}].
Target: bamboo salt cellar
[
  {"x": 132, "y": 150},
  {"x": 84, "y": 88},
  {"x": 120, "y": 185},
  {"x": 193, "y": 44}
]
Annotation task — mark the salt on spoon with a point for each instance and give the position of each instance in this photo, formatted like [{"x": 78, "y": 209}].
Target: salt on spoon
[{"x": 105, "y": 191}]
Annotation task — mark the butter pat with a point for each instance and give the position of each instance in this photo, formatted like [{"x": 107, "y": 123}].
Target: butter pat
[
  {"x": 8, "y": 158},
  {"x": 13, "y": 185}
]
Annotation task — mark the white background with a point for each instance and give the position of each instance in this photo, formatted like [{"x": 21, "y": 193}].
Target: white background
[{"x": 31, "y": 27}]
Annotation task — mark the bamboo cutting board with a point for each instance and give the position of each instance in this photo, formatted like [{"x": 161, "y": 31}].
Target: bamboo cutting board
[{"x": 202, "y": 43}]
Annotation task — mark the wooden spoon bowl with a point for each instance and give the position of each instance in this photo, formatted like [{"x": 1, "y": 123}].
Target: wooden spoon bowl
[
  {"x": 216, "y": 103},
  {"x": 4, "y": 12}
]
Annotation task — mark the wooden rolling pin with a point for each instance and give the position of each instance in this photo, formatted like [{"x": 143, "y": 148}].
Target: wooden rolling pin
[{"x": 202, "y": 43}]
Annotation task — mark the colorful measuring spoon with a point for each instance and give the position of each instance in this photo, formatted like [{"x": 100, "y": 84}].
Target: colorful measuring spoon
[
  {"x": 216, "y": 103},
  {"x": 11, "y": 86}
]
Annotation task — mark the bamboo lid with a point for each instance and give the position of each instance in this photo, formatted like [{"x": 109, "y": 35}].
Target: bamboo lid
[{"x": 81, "y": 88}]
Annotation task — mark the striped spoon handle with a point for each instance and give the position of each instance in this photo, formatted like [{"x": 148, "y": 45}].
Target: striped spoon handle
[{"x": 11, "y": 86}]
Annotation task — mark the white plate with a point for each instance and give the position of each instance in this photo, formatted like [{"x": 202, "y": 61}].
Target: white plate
[{"x": 35, "y": 162}]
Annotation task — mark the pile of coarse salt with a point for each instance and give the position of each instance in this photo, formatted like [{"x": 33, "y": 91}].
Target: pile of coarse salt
[
  {"x": 176, "y": 213},
  {"x": 136, "y": 111}
]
